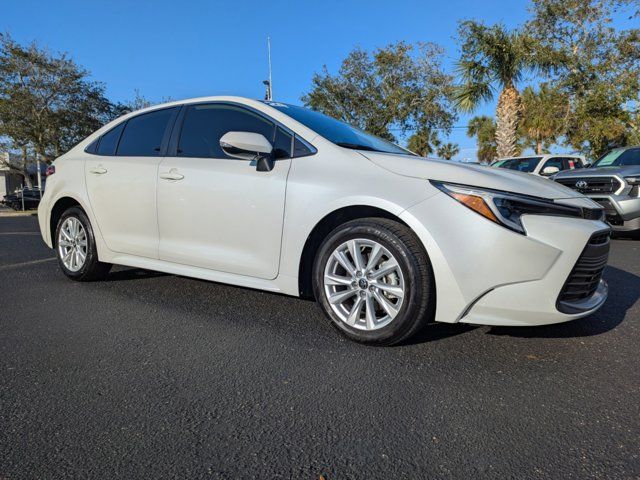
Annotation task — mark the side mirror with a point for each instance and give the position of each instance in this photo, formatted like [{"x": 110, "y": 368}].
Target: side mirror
[
  {"x": 550, "y": 170},
  {"x": 249, "y": 146}
]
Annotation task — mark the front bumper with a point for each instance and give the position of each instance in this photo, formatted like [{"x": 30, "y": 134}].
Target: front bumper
[{"x": 486, "y": 274}]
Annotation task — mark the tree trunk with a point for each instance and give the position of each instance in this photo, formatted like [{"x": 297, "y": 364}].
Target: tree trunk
[
  {"x": 539, "y": 146},
  {"x": 25, "y": 169},
  {"x": 507, "y": 119}
]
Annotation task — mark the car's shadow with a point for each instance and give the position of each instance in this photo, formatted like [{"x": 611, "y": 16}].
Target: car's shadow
[
  {"x": 123, "y": 274},
  {"x": 624, "y": 291}
]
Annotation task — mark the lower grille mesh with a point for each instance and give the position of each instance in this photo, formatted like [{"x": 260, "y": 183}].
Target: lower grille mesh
[{"x": 583, "y": 280}]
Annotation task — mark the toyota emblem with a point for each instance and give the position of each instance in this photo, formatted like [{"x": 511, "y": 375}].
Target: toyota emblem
[{"x": 581, "y": 184}]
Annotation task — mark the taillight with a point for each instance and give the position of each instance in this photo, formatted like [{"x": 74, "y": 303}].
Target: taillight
[{"x": 51, "y": 169}]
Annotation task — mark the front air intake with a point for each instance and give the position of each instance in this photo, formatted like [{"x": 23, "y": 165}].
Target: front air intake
[{"x": 585, "y": 277}]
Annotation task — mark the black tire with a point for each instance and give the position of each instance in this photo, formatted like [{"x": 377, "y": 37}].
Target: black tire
[
  {"x": 418, "y": 306},
  {"x": 92, "y": 269}
]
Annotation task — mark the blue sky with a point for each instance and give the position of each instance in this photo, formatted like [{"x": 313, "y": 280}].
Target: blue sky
[{"x": 186, "y": 49}]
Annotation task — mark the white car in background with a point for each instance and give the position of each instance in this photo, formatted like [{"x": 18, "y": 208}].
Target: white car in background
[
  {"x": 281, "y": 198},
  {"x": 543, "y": 165}
]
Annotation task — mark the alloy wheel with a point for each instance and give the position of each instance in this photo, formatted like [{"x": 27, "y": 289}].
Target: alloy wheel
[
  {"x": 72, "y": 244},
  {"x": 364, "y": 284}
]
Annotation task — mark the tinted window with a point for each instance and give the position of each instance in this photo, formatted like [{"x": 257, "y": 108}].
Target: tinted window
[
  {"x": 573, "y": 163},
  {"x": 336, "y": 131},
  {"x": 553, "y": 162},
  {"x": 282, "y": 144},
  {"x": 300, "y": 149},
  {"x": 520, "y": 164},
  {"x": 142, "y": 136},
  {"x": 109, "y": 141},
  {"x": 204, "y": 125}
]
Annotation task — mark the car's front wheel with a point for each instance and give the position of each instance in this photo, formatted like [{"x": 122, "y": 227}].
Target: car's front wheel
[
  {"x": 76, "y": 247},
  {"x": 373, "y": 279}
]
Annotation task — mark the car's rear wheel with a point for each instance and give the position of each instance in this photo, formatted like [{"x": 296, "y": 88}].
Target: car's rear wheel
[
  {"x": 373, "y": 279},
  {"x": 76, "y": 247}
]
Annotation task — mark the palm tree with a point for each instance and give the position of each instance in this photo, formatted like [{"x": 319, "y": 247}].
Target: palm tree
[
  {"x": 545, "y": 116},
  {"x": 448, "y": 150},
  {"x": 494, "y": 58},
  {"x": 484, "y": 129},
  {"x": 424, "y": 142}
]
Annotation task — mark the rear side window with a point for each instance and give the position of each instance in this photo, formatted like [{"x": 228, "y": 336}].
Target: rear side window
[
  {"x": 572, "y": 163},
  {"x": 204, "y": 125},
  {"x": 142, "y": 136},
  {"x": 109, "y": 141}
]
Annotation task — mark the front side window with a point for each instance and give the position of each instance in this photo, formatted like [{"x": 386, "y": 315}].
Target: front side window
[
  {"x": 528, "y": 164},
  {"x": 142, "y": 136},
  {"x": 554, "y": 162},
  {"x": 204, "y": 125},
  {"x": 282, "y": 144}
]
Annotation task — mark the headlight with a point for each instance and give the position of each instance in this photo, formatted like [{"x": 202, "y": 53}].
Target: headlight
[
  {"x": 633, "y": 180},
  {"x": 506, "y": 208}
]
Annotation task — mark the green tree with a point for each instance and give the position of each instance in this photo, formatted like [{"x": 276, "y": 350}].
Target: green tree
[
  {"x": 544, "y": 117},
  {"x": 484, "y": 129},
  {"x": 448, "y": 150},
  {"x": 424, "y": 142},
  {"x": 47, "y": 102},
  {"x": 594, "y": 64},
  {"x": 397, "y": 88},
  {"x": 492, "y": 59}
]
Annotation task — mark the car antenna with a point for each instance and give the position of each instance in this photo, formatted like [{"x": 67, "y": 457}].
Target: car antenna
[{"x": 268, "y": 83}]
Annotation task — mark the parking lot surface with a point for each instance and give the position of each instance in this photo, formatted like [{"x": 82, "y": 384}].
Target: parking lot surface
[{"x": 148, "y": 375}]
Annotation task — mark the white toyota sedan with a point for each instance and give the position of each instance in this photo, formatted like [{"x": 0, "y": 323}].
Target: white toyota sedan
[{"x": 280, "y": 198}]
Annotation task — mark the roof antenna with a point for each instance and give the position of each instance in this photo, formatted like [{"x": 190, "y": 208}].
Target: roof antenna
[{"x": 268, "y": 83}]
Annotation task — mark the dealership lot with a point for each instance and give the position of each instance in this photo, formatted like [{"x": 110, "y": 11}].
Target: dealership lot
[{"x": 149, "y": 375}]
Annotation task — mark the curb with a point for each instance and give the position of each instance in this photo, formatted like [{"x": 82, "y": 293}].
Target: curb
[{"x": 26, "y": 213}]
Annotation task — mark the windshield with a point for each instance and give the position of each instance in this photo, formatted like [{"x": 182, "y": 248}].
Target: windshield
[
  {"x": 619, "y": 158},
  {"x": 521, "y": 164},
  {"x": 336, "y": 131}
]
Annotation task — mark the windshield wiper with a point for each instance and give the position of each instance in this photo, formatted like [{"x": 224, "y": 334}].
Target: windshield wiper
[{"x": 356, "y": 146}]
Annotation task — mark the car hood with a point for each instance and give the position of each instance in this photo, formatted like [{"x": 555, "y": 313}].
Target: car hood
[
  {"x": 623, "y": 171},
  {"x": 478, "y": 176}
]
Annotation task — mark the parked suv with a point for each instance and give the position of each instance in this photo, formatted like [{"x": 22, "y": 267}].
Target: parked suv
[
  {"x": 613, "y": 182},
  {"x": 543, "y": 165}
]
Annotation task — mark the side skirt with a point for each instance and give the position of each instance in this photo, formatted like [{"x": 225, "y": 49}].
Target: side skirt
[{"x": 281, "y": 284}]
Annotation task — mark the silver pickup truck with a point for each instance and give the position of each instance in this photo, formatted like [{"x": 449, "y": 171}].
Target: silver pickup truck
[{"x": 614, "y": 182}]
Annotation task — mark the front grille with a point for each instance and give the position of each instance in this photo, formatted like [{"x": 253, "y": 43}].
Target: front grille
[
  {"x": 583, "y": 280},
  {"x": 591, "y": 184}
]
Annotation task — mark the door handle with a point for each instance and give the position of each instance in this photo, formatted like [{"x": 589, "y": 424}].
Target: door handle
[
  {"x": 98, "y": 170},
  {"x": 171, "y": 175}
]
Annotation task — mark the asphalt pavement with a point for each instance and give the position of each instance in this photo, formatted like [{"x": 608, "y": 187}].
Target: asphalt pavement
[{"x": 154, "y": 376}]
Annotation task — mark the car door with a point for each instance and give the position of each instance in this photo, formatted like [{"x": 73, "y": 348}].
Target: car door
[
  {"x": 121, "y": 176},
  {"x": 219, "y": 212}
]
